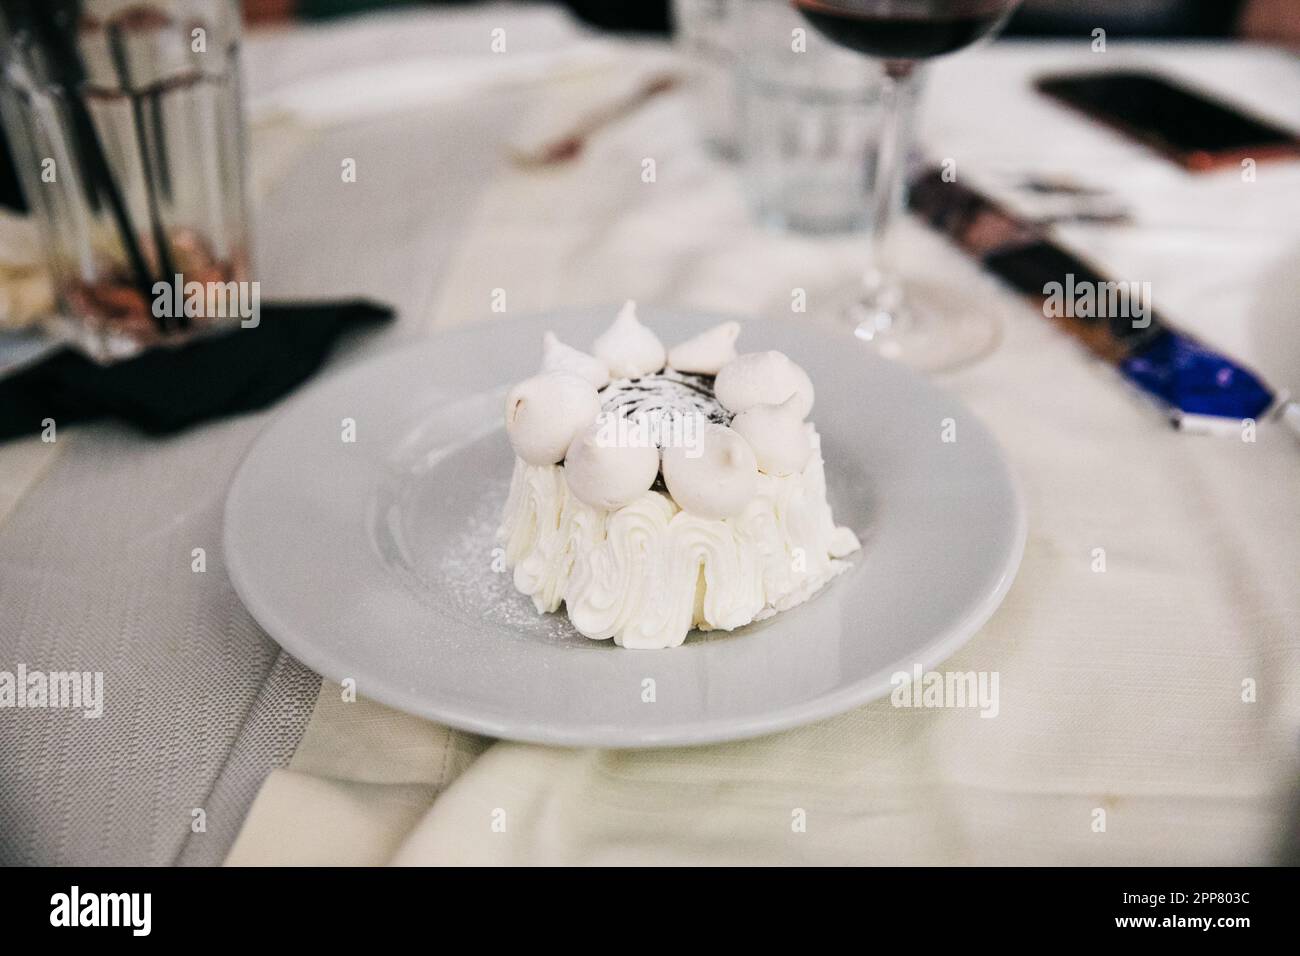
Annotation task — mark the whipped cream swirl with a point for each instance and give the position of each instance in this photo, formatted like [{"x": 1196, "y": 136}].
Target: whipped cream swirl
[{"x": 647, "y": 573}]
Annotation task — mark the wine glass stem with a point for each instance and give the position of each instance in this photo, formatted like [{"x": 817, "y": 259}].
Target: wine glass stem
[{"x": 891, "y": 154}]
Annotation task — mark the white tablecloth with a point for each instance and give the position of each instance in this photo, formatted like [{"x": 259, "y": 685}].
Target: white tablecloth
[{"x": 1121, "y": 691}]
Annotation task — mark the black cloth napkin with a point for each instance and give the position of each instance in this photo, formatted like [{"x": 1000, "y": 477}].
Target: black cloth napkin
[{"x": 166, "y": 389}]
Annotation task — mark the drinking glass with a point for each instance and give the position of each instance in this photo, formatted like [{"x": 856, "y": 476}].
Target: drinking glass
[
  {"x": 705, "y": 33},
  {"x": 126, "y": 128},
  {"x": 903, "y": 34},
  {"x": 809, "y": 120}
]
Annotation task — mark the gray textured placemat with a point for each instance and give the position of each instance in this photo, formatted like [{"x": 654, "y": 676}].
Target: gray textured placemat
[
  {"x": 267, "y": 740},
  {"x": 197, "y": 705}
]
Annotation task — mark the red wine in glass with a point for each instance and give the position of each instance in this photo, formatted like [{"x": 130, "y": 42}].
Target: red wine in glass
[
  {"x": 893, "y": 31},
  {"x": 902, "y": 33}
]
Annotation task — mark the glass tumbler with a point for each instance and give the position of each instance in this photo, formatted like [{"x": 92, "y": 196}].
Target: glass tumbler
[
  {"x": 705, "y": 34},
  {"x": 810, "y": 121},
  {"x": 126, "y": 128}
]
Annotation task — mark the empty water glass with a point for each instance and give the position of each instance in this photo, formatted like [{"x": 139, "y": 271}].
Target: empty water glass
[{"x": 809, "y": 123}]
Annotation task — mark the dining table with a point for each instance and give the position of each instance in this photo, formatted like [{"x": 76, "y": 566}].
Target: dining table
[{"x": 1148, "y": 653}]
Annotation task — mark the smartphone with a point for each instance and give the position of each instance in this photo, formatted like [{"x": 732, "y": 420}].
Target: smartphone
[{"x": 1194, "y": 130}]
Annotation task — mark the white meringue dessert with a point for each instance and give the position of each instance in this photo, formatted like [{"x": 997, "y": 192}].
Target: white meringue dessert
[{"x": 667, "y": 499}]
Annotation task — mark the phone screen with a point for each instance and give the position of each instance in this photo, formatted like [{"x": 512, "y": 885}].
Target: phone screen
[{"x": 1188, "y": 127}]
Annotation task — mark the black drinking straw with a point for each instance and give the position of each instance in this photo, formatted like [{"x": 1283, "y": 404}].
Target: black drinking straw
[
  {"x": 117, "y": 50},
  {"x": 55, "y": 23},
  {"x": 156, "y": 122}
]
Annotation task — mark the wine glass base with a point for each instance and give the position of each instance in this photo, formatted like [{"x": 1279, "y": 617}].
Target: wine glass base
[{"x": 919, "y": 332}]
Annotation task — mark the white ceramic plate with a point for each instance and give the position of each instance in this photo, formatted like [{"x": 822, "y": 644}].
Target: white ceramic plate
[{"x": 374, "y": 559}]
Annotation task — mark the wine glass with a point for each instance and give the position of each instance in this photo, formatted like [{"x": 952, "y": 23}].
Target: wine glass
[{"x": 903, "y": 34}]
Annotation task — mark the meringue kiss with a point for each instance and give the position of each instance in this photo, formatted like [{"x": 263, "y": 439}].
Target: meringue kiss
[
  {"x": 608, "y": 476},
  {"x": 558, "y": 357},
  {"x": 763, "y": 378},
  {"x": 545, "y": 412},
  {"x": 778, "y": 436},
  {"x": 717, "y": 478},
  {"x": 707, "y": 352},
  {"x": 628, "y": 347}
]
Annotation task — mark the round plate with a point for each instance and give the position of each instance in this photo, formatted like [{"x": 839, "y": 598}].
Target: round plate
[{"x": 375, "y": 559}]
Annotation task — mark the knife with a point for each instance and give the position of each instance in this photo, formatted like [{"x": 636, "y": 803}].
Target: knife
[{"x": 1199, "y": 389}]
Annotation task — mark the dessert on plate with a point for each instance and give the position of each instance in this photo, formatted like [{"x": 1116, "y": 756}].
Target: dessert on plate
[{"x": 659, "y": 490}]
